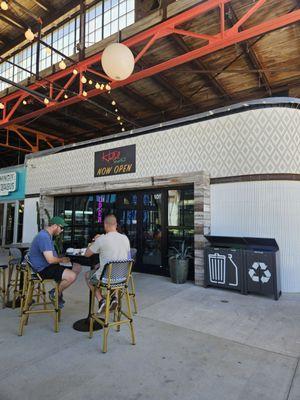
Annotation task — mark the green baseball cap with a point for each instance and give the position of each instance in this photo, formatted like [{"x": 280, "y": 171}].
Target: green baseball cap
[{"x": 58, "y": 221}]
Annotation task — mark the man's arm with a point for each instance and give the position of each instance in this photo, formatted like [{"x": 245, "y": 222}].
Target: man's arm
[
  {"x": 88, "y": 252},
  {"x": 51, "y": 259}
]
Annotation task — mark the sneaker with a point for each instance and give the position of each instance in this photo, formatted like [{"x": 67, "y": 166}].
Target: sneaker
[
  {"x": 52, "y": 298},
  {"x": 102, "y": 304},
  {"x": 113, "y": 304}
]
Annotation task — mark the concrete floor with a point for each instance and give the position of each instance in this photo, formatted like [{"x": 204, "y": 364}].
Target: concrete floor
[{"x": 192, "y": 343}]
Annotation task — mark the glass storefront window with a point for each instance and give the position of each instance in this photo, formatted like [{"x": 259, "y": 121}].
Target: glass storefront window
[
  {"x": 20, "y": 221},
  {"x": 10, "y": 222}
]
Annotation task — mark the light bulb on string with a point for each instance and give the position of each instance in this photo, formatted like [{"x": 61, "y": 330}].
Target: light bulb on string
[
  {"x": 108, "y": 87},
  {"x": 2, "y": 106},
  {"x": 102, "y": 86},
  {"x": 48, "y": 51},
  {"x": 97, "y": 86},
  {"x": 75, "y": 72},
  {"x": 83, "y": 79},
  {"x": 116, "y": 110},
  {"x": 29, "y": 35},
  {"x": 24, "y": 102},
  {"x": 118, "y": 118},
  {"x": 123, "y": 129},
  {"x": 121, "y": 123},
  {"x": 113, "y": 103},
  {"x": 46, "y": 101},
  {"x": 90, "y": 82},
  {"x": 84, "y": 93},
  {"x": 66, "y": 96},
  {"x": 62, "y": 65},
  {"x": 4, "y": 5}
]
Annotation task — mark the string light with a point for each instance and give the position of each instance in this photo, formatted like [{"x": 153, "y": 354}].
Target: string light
[
  {"x": 66, "y": 96},
  {"x": 48, "y": 51},
  {"x": 102, "y": 86},
  {"x": 83, "y": 79},
  {"x": 123, "y": 129},
  {"x": 121, "y": 123},
  {"x": 116, "y": 110},
  {"x": 118, "y": 118},
  {"x": 75, "y": 72},
  {"x": 4, "y": 5},
  {"x": 97, "y": 86},
  {"x": 113, "y": 103},
  {"x": 108, "y": 87},
  {"x": 2, "y": 106},
  {"x": 90, "y": 82},
  {"x": 46, "y": 101},
  {"x": 62, "y": 65},
  {"x": 84, "y": 93},
  {"x": 24, "y": 102}
]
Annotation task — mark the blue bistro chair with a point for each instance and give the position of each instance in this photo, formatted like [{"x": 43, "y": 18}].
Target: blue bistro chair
[{"x": 4, "y": 260}]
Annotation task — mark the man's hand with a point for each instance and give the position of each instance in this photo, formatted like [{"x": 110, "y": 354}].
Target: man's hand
[
  {"x": 65, "y": 260},
  {"x": 96, "y": 236}
]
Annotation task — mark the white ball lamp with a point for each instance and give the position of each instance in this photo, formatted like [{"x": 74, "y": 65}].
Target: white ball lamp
[{"x": 117, "y": 61}]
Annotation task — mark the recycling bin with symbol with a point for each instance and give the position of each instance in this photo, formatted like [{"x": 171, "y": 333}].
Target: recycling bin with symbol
[{"x": 262, "y": 267}]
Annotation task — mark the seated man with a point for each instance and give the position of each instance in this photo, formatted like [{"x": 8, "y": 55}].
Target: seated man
[
  {"x": 112, "y": 246},
  {"x": 44, "y": 260}
]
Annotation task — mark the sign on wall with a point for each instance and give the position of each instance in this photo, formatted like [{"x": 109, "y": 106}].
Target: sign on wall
[
  {"x": 120, "y": 160},
  {"x": 8, "y": 183}
]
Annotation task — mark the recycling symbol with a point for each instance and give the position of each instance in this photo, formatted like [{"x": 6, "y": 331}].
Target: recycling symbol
[{"x": 253, "y": 271}]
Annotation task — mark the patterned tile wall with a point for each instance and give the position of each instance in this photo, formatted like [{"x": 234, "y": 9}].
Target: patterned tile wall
[{"x": 256, "y": 141}]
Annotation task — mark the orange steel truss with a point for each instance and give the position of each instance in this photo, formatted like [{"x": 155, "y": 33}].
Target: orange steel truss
[
  {"x": 207, "y": 44},
  {"x": 32, "y": 146}
]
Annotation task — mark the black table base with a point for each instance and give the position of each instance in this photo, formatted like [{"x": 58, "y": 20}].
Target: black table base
[{"x": 83, "y": 325}]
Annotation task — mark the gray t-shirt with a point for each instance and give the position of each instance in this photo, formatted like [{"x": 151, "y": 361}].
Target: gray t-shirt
[{"x": 113, "y": 246}]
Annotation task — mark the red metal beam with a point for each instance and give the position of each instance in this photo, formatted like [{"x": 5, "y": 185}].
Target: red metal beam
[
  {"x": 38, "y": 136},
  {"x": 225, "y": 38}
]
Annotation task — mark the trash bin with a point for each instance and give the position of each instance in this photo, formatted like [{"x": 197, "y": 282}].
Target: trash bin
[
  {"x": 262, "y": 272},
  {"x": 247, "y": 264},
  {"x": 224, "y": 265}
]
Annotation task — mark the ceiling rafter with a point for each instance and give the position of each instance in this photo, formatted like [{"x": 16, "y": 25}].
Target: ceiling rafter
[
  {"x": 13, "y": 21},
  {"x": 231, "y": 19},
  {"x": 138, "y": 98},
  {"x": 45, "y": 5},
  {"x": 208, "y": 77}
]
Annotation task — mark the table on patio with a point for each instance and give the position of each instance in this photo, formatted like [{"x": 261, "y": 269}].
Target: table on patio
[{"x": 83, "y": 325}]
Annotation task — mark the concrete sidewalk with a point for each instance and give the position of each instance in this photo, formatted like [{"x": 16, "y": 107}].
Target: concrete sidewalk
[{"x": 192, "y": 343}]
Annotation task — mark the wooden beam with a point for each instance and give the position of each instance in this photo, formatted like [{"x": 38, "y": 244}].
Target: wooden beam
[
  {"x": 208, "y": 77},
  {"x": 231, "y": 19},
  {"x": 43, "y": 4},
  {"x": 138, "y": 98},
  {"x": 13, "y": 21}
]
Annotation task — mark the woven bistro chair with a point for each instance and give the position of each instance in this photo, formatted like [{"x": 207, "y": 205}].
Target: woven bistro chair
[
  {"x": 115, "y": 278},
  {"x": 14, "y": 275},
  {"x": 4, "y": 260},
  {"x": 132, "y": 295},
  {"x": 34, "y": 295}
]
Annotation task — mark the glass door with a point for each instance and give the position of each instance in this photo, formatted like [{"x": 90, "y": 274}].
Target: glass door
[
  {"x": 1, "y": 223},
  {"x": 10, "y": 223}
]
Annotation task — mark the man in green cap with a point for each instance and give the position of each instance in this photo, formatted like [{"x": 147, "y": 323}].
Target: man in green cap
[{"x": 44, "y": 259}]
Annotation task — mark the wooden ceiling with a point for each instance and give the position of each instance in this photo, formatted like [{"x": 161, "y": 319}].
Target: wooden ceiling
[{"x": 268, "y": 65}]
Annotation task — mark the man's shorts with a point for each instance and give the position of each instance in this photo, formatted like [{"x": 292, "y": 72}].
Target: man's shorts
[
  {"x": 53, "y": 271},
  {"x": 94, "y": 275}
]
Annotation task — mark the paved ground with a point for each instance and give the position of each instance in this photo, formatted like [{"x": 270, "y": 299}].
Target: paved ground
[{"x": 192, "y": 343}]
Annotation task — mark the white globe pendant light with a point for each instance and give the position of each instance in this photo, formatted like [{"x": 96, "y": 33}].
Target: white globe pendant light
[{"x": 117, "y": 61}]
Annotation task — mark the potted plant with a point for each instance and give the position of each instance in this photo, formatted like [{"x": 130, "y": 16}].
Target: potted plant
[{"x": 179, "y": 263}]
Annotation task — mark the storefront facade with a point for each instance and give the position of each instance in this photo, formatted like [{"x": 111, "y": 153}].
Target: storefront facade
[
  {"x": 251, "y": 151},
  {"x": 12, "y": 194}
]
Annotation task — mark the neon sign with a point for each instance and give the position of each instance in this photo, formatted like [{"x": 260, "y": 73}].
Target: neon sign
[{"x": 100, "y": 209}]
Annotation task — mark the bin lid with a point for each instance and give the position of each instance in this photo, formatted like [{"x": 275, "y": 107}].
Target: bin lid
[
  {"x": 239, "y": 242},
  {"x": 226, "y": 241}
]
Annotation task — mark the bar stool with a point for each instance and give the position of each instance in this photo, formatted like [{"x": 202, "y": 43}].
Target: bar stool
[
  {"x": 115, "y": 277},
  {"x": 14, "y": 275},
  {"x": 34, "y": 286},
  {"x": 132, "y": 295},
  {"x": 4, "y": 260}
]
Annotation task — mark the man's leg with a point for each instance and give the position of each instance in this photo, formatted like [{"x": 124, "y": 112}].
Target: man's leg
[
  {"x": 68, "y": 277},
  {"x": 98, "y": 294}
]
